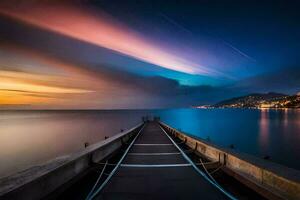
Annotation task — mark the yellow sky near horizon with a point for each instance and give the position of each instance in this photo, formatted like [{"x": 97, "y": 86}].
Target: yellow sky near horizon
[
  {"x": 31, "y": 79},
  {"x": 15, "y": 90}
]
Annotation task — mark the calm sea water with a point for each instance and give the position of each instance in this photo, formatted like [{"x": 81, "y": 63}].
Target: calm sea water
[{"x": 29, "y": 138}]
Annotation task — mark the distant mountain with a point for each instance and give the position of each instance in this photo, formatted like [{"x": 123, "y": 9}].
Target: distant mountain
[{"x": 261, "y": 100}]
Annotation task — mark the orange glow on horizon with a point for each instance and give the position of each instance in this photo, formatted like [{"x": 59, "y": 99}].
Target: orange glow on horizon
[
  {"x": 14, "y": 98},
  {"x": 19, "y": 86},
  {"x": 54, "y": 84},
  {"x": 16, "y": 91}
]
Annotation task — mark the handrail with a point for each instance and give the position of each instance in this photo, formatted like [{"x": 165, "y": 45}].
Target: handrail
[
  {"x": 197, "y": 169},
  {"x": 210, "y": 176},
  {"x": 98, "y": 179},
  {"x": 116, "y": 167},
  {"x": 23, "y": 183},
  {"x": 266, "y": 178}
]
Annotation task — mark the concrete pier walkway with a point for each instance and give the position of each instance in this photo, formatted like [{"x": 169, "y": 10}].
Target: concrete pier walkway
[{"x": 155, "y": 169}]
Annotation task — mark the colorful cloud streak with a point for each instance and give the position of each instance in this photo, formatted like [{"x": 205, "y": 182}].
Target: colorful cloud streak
[
  {"x": 54, "y": 54},
  {"x": 88, "y": 26},
  {"x": 31, "y": 80},
  {"x": 15, "y": 90}
]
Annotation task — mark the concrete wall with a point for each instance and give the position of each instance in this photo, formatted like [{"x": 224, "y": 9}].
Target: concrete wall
[
  {"x": 39, "y": 181},
  {"x": 270, "y": 179}
]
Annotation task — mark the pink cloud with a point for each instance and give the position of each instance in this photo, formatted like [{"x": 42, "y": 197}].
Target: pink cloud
[{"x": 88, "y": 26}]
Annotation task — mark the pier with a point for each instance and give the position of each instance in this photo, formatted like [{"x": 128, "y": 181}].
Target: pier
[
  {"x": 154, "y": 161},
  {"x": 154, "y": 168}
]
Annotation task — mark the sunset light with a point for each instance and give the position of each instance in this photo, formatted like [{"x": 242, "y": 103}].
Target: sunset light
[
  {"x": 85, "y": 25},
  {"x": 149, "y": 99}
]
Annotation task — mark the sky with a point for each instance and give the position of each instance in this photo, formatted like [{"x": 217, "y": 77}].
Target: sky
[{"x": 133, "y": 54}]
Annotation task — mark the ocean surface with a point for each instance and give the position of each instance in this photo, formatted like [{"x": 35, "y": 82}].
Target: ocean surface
[{"x": 29, "y": 138}]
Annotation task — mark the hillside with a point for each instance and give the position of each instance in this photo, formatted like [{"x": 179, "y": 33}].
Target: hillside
[{"x": 257, "y": 100}]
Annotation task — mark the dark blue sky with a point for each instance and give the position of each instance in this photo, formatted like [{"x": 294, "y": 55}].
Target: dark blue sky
[
  {"x": 266, "y": 31},
  {"x": 220, "y": 48}
]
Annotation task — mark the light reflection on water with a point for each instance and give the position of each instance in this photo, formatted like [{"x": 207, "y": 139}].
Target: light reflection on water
[
  {"x": 264, "y": 129},
  {"x": 31, "y": 137},
  {"x": 273, "y": 133}
]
